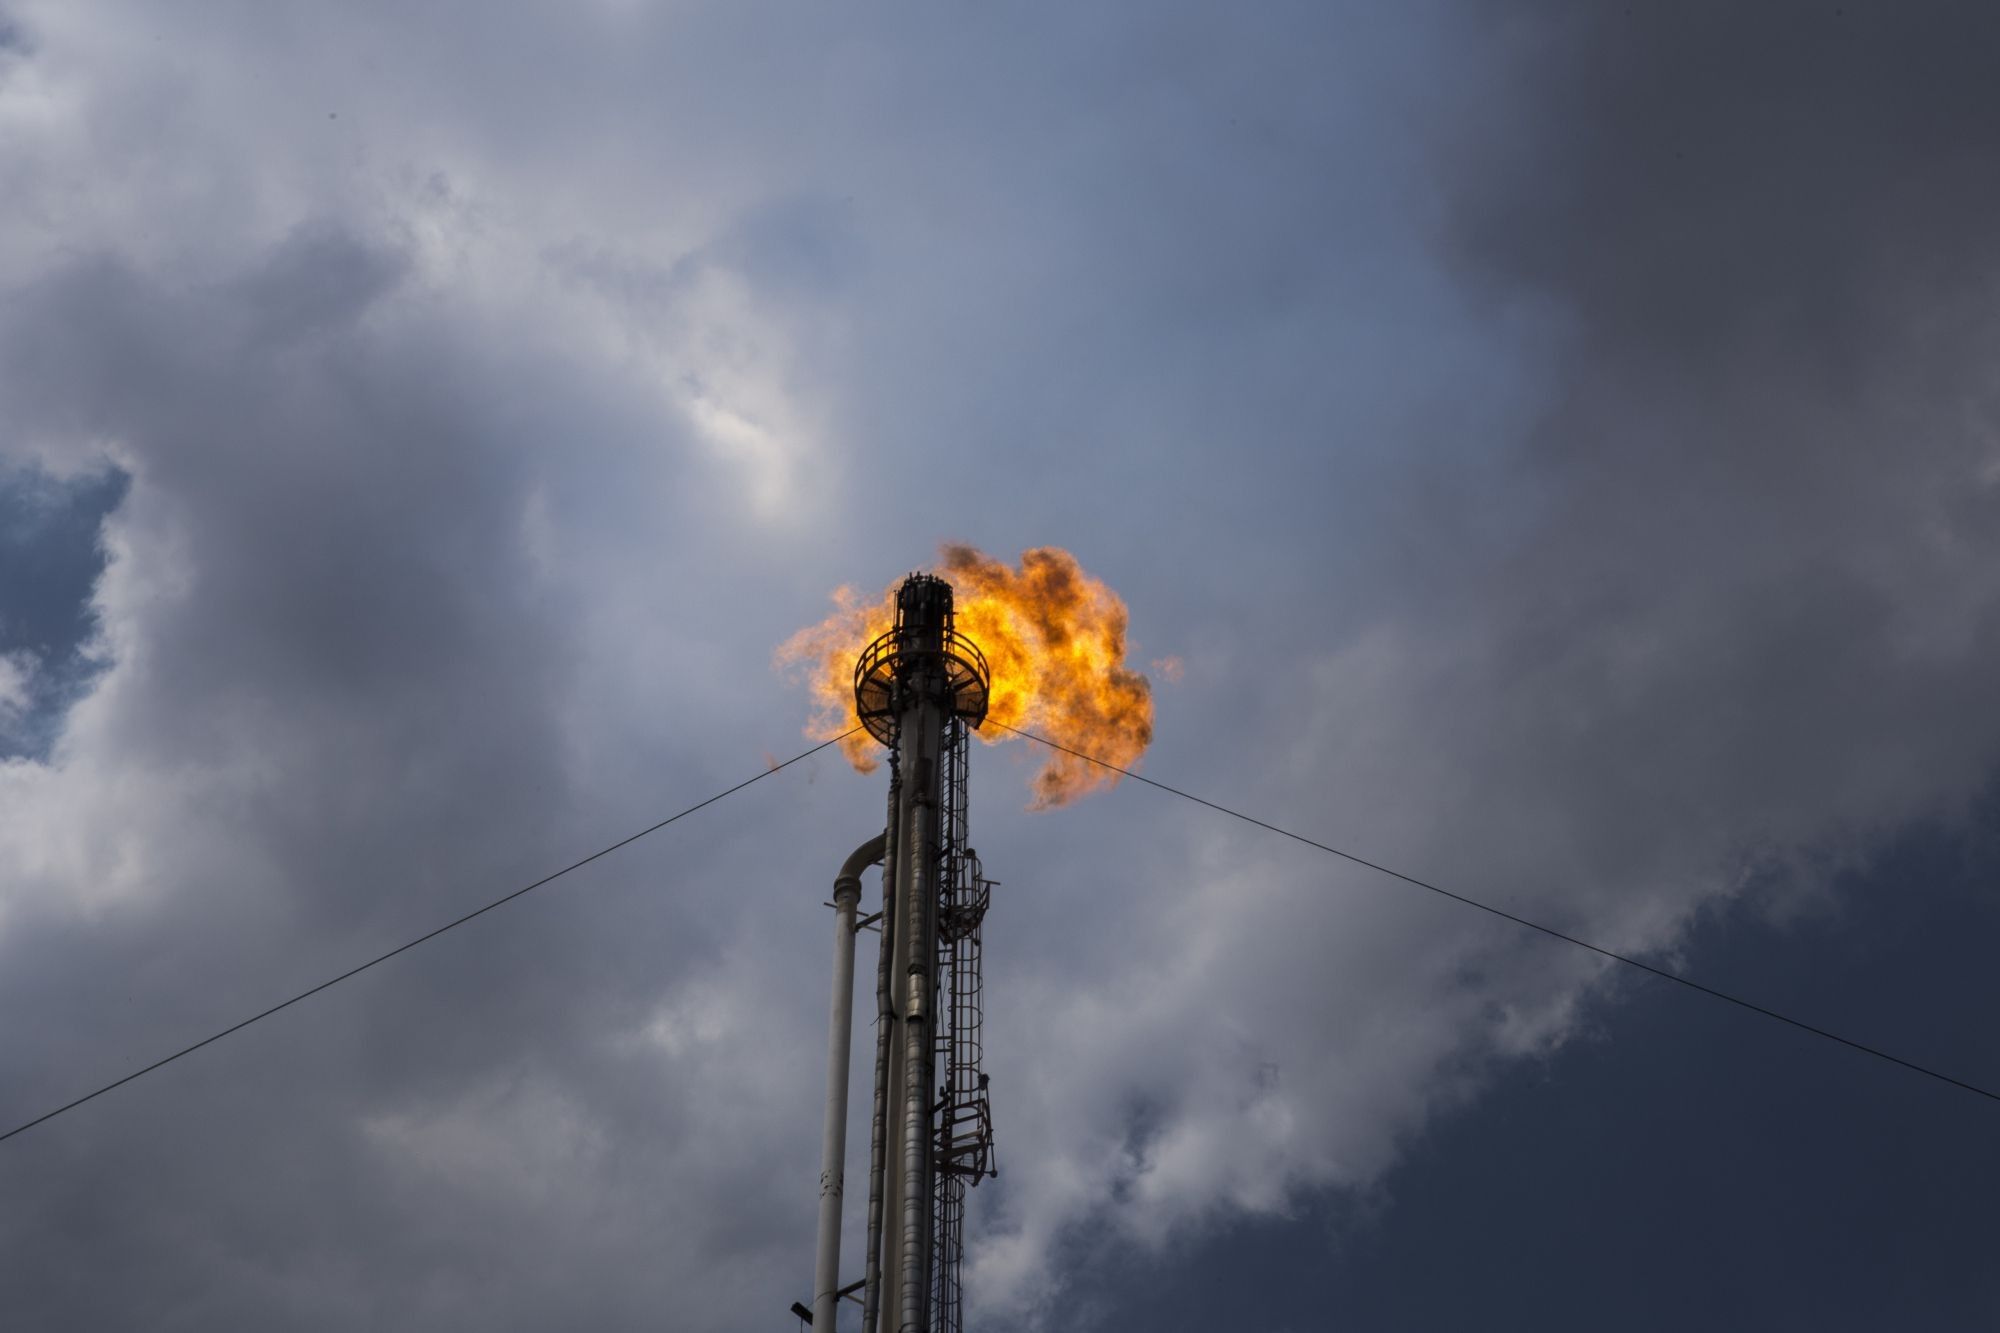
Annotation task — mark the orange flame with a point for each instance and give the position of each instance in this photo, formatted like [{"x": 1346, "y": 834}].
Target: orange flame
[{"x": 1055, "y": 639}]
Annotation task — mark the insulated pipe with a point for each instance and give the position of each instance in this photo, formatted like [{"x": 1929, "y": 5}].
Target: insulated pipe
[
  {"x": 918, "y": 692},
  {"x": 889, "y": 1318},
  {"x": 840, "y": 1036},
  {"x": 918, "y": 873},
  {"x": 885, "y": 1023}
]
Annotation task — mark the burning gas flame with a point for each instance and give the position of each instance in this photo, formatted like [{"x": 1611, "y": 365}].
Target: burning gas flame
[{"x": 1055, "y": 639}]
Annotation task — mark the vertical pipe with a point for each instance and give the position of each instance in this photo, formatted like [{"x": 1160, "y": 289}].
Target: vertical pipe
[
  {"x": 885, "y": 1023},
  {"x": 891, "y": 1316},
  {"x": 839, "y": 1046},
  {"x": 920, "y": 698},
  {"x": 918, "y": 873}
]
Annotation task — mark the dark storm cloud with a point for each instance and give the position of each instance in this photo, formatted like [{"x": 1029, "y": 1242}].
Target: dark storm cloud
[
  {"x": 1788, "y": 186},
  {"x": 1762, "y": 245},
  {"x": 485, "y": 440},
  {"x": 1715, "y": 611},
  {"x": 334, "y": 700},
  {"x": 1764, "y": 239},
  {"x": 336, "y": 560}
]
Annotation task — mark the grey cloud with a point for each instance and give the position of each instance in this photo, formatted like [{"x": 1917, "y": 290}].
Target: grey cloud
[
  {"x": 1512, "y": 525},
  {"x": 331, "y": 660},
  {"x": 1710, "y": 614},
  {"x": 1761, "y": 245}
]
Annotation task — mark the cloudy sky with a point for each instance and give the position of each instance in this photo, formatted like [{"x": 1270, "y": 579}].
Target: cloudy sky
[{"x": 1560, "y": 441}]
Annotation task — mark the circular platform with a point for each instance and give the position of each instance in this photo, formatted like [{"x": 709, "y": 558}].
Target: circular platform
[{"x": 888, "y": 662}]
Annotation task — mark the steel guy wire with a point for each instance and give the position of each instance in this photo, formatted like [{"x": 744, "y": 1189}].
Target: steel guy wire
[
  {"x": 428, "y": 935},
  {"x": 1505, "y": 915}
]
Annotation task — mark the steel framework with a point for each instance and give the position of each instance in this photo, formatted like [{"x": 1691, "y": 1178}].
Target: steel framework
[
  {"x": 919, "y": 689},
  {"x": 963, "y": 1117}
]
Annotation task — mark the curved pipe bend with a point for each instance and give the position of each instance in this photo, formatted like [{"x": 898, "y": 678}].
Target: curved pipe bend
[{"x": 867, "y": 854}]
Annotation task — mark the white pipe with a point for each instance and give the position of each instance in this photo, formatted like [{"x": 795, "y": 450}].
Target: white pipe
[{"x": 840, "y": 1037}]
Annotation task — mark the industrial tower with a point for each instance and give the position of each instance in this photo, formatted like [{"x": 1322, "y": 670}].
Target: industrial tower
[{"x": 917, "y": 689}]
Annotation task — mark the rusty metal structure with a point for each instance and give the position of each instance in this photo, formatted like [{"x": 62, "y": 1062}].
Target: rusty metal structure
[{"x": 919, "y": 689}]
